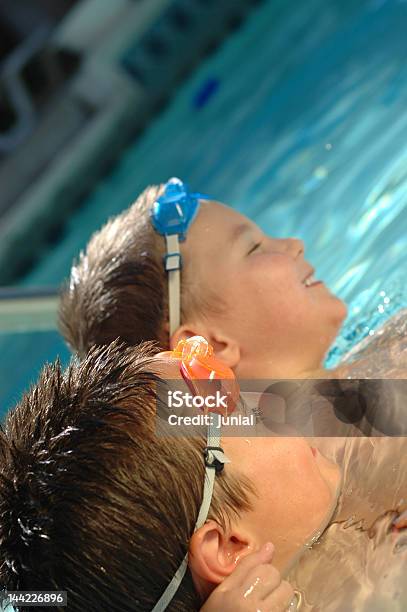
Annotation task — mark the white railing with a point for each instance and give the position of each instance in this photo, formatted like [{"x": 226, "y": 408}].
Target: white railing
[{"x": 24, "y": 310}]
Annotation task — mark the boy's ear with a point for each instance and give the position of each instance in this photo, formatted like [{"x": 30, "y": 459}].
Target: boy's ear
[
  {"x": 183, "y": 333},
  {"x": 225, "y": 348},
  {"x": 213, "y": 555}
]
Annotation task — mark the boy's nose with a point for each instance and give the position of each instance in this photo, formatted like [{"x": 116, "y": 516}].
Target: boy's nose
[{"x": 294, "y": 246}]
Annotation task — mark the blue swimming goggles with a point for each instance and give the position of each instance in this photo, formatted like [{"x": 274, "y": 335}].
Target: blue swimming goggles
[{"x": 171, "y": 216}]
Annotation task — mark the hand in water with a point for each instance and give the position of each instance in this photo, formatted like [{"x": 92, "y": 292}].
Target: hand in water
[{"x": 254, "y": 586}]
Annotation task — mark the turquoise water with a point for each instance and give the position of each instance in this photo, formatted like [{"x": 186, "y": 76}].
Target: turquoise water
[{"x": 306, "y": 134}]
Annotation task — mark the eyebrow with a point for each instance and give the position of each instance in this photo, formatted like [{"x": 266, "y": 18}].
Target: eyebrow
[{"x": 239, "y": 231}]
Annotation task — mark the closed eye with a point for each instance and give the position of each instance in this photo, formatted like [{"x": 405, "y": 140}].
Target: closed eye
[
  {"x": 258, "y": 415},
  {"x": 254, "y": 248}
]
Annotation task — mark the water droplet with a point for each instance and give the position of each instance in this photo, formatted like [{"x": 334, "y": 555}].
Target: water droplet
[
  {"x": 293, "y": 603},
  {"x": 386, "y": 300},
  {"x": 313, "y": 540},
  {"x": 250, "y": 589}
]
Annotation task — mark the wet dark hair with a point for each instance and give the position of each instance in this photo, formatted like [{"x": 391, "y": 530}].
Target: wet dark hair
[
  {"x": 118, "y": 287},
  {"x": 92, "y": 501}
]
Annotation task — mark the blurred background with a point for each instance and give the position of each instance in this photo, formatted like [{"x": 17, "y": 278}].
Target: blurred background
[{"x": 293, "y": 113}]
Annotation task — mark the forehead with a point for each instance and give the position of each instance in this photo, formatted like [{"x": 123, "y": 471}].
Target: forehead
[
  {"x": 215, "y": 227},
  {"x": 214, "y": 215}
]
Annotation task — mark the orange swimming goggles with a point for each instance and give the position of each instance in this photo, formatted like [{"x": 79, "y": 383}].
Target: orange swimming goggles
[{"x": 205, "y": 374}]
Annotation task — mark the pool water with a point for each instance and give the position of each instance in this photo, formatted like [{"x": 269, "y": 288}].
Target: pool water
[
  {"x": 305, "y": 132},
  {"x": 359, "y": 563}
]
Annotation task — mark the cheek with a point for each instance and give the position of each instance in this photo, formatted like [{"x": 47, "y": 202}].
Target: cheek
[
  {"x": 279, "y": 293},
  {"x": 270, "y": 275},
  {"x": 293, "y": 478},
  {"x": 282, "y": 301}
]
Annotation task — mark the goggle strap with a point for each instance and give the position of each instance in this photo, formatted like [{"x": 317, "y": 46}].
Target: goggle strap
[
  {"x": 172, "y": 588},
  {"x": 173, "y": 266},
  {"x": 212, "y": 460},
  {"x": 217, "y": 456}
]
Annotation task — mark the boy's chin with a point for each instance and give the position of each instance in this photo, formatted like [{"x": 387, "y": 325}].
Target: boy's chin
[
  {"x": 344, "y": 313},
  {"x": 341, "y": 310}
]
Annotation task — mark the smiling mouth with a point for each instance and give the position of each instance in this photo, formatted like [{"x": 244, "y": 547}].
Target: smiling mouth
[{"x": 310, "y": 280}]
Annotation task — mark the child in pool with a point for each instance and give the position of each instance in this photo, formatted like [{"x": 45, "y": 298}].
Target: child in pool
[
  {"x": 254, "y": 297},
  {"x": 94, "y": 502}
]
